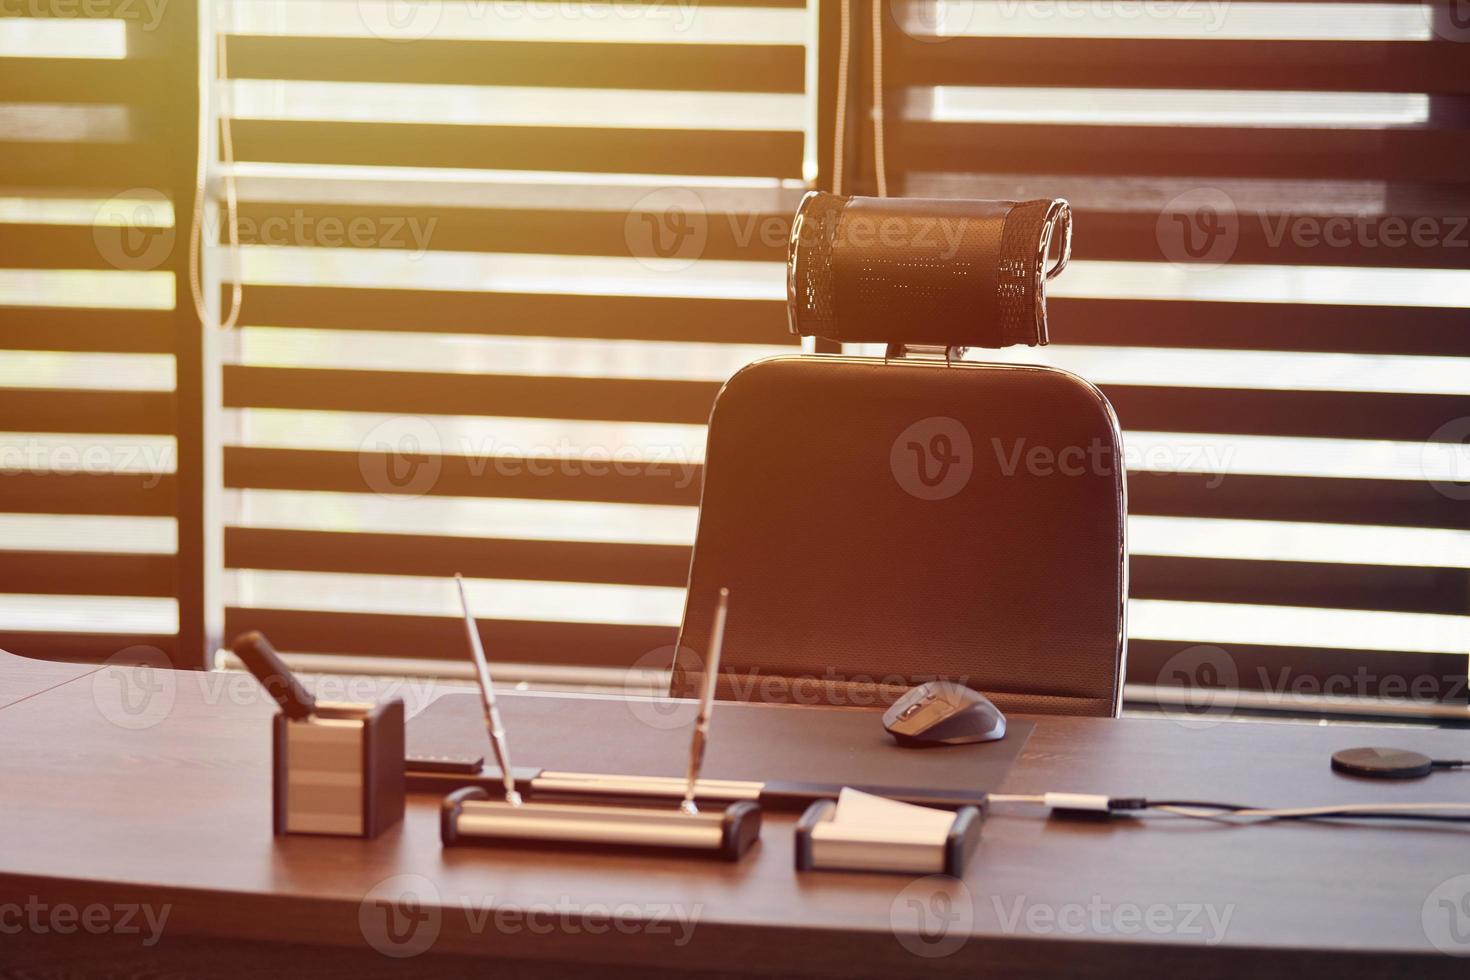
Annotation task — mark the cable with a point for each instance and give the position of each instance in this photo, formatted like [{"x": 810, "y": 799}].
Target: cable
[
  {"x": 1388, "y": 810},
  {"x": 839, "y": 127},
  {"x": 1192, "y": 804},
  {"x": 880, "y": 156},
  {"x": 1098, "y": 805},
  {"x": 232, "y": 204},
  {"x": 232, "y": 212},
  {"x": 1327, "y": 813}
]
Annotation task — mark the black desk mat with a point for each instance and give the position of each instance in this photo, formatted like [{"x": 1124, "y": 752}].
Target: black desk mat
[{"x": 747, "y": 741}]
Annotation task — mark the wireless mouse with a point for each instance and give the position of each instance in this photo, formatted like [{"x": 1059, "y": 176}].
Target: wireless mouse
[{"x": 944, "y": 713}]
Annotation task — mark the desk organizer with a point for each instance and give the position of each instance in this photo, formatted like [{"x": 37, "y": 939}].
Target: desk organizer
[
  {"x": 339, "y": 770},
  {"x": 469, "y": 816},
  {"x": 824, "y": 846}
]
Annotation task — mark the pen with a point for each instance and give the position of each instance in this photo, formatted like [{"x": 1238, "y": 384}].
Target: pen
[
  {"x": 487, "y": 698},
  {"x": 706, "y": 703},
  {"x": 545, "y": 785}
]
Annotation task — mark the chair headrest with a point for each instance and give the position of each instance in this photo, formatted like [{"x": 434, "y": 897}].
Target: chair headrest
[{"x": 955, "y": 273}]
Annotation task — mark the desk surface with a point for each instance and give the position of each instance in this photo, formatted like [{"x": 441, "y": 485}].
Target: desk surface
[
  {"x": 21, "y": 678},
  {"x": 166, "y": 801}
]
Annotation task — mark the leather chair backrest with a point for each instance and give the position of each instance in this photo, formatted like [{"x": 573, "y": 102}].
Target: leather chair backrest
[{"x": 884, "y": 522}]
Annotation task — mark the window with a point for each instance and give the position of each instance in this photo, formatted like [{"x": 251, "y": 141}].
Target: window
[
  {"x": 498, "y": 259},
  {"x": 93, "y": 114},
  {"x": 1270, "y": 280}
]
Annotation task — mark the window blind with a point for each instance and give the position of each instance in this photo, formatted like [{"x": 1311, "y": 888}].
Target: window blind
[
  {"x": 1270, "y": 283},
  {"x": 497, "y": 261},
  {"x": 96, "y": 112}
]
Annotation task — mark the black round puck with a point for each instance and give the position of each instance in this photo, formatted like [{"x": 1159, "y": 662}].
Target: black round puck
[{"x": 1378, "y": 763}]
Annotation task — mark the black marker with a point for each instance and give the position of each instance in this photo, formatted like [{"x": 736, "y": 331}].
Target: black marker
[{"x": 267, "y": 667}]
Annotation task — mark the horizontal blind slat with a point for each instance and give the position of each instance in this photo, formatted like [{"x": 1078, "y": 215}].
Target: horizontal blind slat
[
  {"x": 1405, "y": 153},
  {"x": 435, "y": 637},
  {"x": 1317, "y": 414},
  {"x": 1285, "y": 583},
  {"x": 119, "y": 494},
  {"x": 1260, "y": 326},
  {"x": 519, "y": 314},
  {"x": 95, "y": 330},
  {"x": 87, "y": 647},
  {"x": 451, "y": 394},
  {"x": 123, "y": 412},
  {"x": 1257, "y": 64},
  {"x": 459, "y": 476},
  {"x": 754, "y": 237},
  {"x": 80, "y": 81},
  {"x": 106, "y": 168},
  {"x": 579, "y": 150},
  {"x": 71, "y": 573},
  {"x": 25, "y": 246},
  {"x": 441, "y": 555},
  {"x": 1284, "y": 669},
  {"x": 688, "y": 67},
  {"x": 1294, "y": 237},
  {"x": 1396, "y": 503}
]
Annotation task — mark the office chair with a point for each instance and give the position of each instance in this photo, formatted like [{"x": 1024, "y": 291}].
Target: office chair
[{"x": 881, "y": 521}]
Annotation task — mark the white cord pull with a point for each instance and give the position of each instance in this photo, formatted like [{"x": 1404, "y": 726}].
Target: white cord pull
[
  {"x": 880, "y": 163},
  {"x": 839, "y": 122},
  {"x": 232, "y": 210}
]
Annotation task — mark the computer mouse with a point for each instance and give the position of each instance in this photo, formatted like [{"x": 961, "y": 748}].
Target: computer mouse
[{"x": 944, "y": 713}]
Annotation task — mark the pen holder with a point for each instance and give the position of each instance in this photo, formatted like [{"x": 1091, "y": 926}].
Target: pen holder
[
  {"x": 470, "y": 816},
  {"x": 340, "y": 770},
  {"x": 822, "y": 845}
]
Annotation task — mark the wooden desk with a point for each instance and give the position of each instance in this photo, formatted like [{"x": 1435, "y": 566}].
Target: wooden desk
[
  {"x": 178, "y": 814},
  {"x": 21, "y": 678}
]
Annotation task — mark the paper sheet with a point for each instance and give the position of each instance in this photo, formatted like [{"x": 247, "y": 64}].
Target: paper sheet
[{"x": 858, "y": 809}]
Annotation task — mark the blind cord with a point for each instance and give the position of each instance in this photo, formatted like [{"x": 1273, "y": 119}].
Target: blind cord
[
  {"x": 880, "y": 165},
  {"x": 839, "y": 125},
  {"x": 232, "y": 212}
]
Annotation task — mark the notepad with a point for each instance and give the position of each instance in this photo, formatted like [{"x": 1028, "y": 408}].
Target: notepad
[
  {"x": 863, "y": 832},
  {"x": 857, "y": 810}
]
